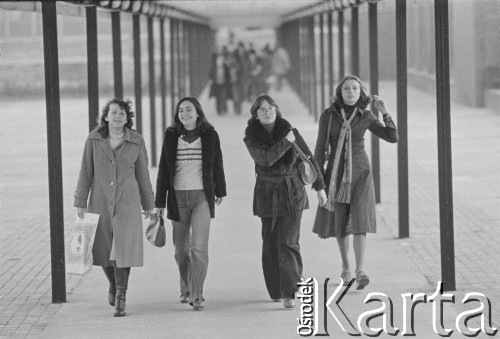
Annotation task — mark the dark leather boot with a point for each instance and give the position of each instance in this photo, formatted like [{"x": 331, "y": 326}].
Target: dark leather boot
[
  {"x": 109, "y": 271},
  {"x": 121, "y": 276}
]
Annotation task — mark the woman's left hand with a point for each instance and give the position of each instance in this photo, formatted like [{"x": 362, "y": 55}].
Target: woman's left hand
[
  {"x": 380, "y": 105},
  {"x": 218, "y": 200},
  {"x": 322, "y": 198},
  {"x": 147, "y": 214}
]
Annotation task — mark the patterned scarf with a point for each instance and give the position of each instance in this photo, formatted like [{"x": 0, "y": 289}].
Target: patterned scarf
[{"x": 342, "y": 193}]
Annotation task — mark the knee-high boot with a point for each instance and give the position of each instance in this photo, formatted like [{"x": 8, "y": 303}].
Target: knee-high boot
[
  {"x": 121, "y": 276},
  {"x": 109, "y": 271}
]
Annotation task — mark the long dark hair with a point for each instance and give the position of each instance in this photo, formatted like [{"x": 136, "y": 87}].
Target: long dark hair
[
  {"x": 364, "y": 98},
  {"x": 201, "y": 123},
  {"x": 258, "y": 101},
  {"x": 126, "y": 105}
]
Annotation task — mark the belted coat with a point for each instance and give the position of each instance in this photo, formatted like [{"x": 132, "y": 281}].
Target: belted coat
[
  {"x": 279, "y": 190},
  {"x": 118, "y": 187}
]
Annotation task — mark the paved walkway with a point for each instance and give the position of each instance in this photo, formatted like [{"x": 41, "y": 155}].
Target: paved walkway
[{"x": 237, "y": 303}]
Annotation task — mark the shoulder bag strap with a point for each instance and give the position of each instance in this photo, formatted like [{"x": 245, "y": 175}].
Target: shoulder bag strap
[
  {"x": 327, "y": 139},
  {"x": 301, "y": 154}
]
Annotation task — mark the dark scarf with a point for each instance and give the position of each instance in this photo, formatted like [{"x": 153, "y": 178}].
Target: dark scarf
[{"x": 190, "y": 136}]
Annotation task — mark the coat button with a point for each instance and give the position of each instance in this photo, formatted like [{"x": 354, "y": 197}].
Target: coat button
[{"x": 111, "y": 183}]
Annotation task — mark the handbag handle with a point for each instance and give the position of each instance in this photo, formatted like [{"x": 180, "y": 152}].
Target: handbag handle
[
  {"x": 301, "y": 154},
  {"x": 327, "y": 139}
]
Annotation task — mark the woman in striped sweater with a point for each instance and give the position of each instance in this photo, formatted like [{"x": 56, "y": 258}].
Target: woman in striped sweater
[{"x": 190, "y": 183}]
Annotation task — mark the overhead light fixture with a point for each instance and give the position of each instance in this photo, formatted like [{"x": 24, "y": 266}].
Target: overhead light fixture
[
  {"x": 145, "y": 7},
  {"x": 116, "y": 4},
  {"x": 152, "y": 8},
  {"x": 136, "y": 6},
  {"x": 126, "y": 4},
  {"x": 331, "y": 5},
  {"x": 104, "y": 3}
]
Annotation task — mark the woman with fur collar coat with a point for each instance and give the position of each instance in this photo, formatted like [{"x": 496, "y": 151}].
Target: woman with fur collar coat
[{"x": 279, "y": 195}]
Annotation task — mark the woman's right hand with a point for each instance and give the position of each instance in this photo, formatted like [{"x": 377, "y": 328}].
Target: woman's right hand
[
  {"x": 322, "y": 199},
  {"x": 80, "y": 212},
  {"x": 160, "y": 211},
  {"x": 290, "y": 136}
]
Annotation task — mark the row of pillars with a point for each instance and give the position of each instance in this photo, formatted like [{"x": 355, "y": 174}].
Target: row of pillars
[
  {"x": 188, "y": 69},
  {"x": 305, "y": 81}
]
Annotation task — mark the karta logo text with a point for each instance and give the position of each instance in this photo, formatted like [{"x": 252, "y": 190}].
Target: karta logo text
[{"x": 477, "y": 304}]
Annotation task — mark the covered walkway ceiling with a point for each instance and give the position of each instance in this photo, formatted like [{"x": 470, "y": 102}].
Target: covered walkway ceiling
[{"x": 242, "y": 13}]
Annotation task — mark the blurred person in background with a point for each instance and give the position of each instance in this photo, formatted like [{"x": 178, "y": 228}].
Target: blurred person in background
[
  {"x": 219, "y": 75},
  {"x": 280, "y": 65},
  {"x": 236, "y": 63},
  {"x": 255, "y": 76}
]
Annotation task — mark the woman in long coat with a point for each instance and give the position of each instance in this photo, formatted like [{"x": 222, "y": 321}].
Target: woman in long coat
[
  {"x": 114, "y": 171},
  {"x": 351, "y": 196},
  {"x": 279, "y": 195}
]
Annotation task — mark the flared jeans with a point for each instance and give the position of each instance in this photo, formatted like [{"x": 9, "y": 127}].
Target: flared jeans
[
  {"x": 281, "y": 259},
  {"x": 190, "y": 236}
]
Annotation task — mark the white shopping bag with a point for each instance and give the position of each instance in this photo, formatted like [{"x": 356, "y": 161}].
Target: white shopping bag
[{"x": 79, "y": 255}]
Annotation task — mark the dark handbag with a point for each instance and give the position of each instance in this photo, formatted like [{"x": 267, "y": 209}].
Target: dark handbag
[
  {"x": 306, "y": 168},
  {"x": 155, "y": 232}
]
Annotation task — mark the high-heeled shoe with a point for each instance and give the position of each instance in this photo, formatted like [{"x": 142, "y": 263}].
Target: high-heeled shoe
[
  {"x": 346, "y": 277},
  {"x": 362, "y": 279}
]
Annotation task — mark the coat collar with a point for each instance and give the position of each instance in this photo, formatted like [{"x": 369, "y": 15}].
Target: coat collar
[
  {"x": 338, "y": 116},
  {"x": 130, "y": 136},
  {"x": 257, "y": 132},
  {"x": 336, "y": 111}
]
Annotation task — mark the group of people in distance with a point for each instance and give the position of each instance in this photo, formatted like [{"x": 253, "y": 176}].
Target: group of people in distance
[
  {"x": 114, "y": 182},
  {"x": 241, "y": 74}
]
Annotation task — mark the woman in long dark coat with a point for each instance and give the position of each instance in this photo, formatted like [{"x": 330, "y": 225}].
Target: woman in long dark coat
[
  {"x": 114, "y": 172},
  {"x": 351, "y": 196},
  {"x": 279, "y": 195}
]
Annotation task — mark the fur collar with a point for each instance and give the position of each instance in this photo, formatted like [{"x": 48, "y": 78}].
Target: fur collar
[{"x": 256, "y": 132}]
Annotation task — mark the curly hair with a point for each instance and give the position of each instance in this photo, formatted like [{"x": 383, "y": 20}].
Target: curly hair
[
  {"x": 364, "y": 97},
  {"x": 126, "y": 105}
]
